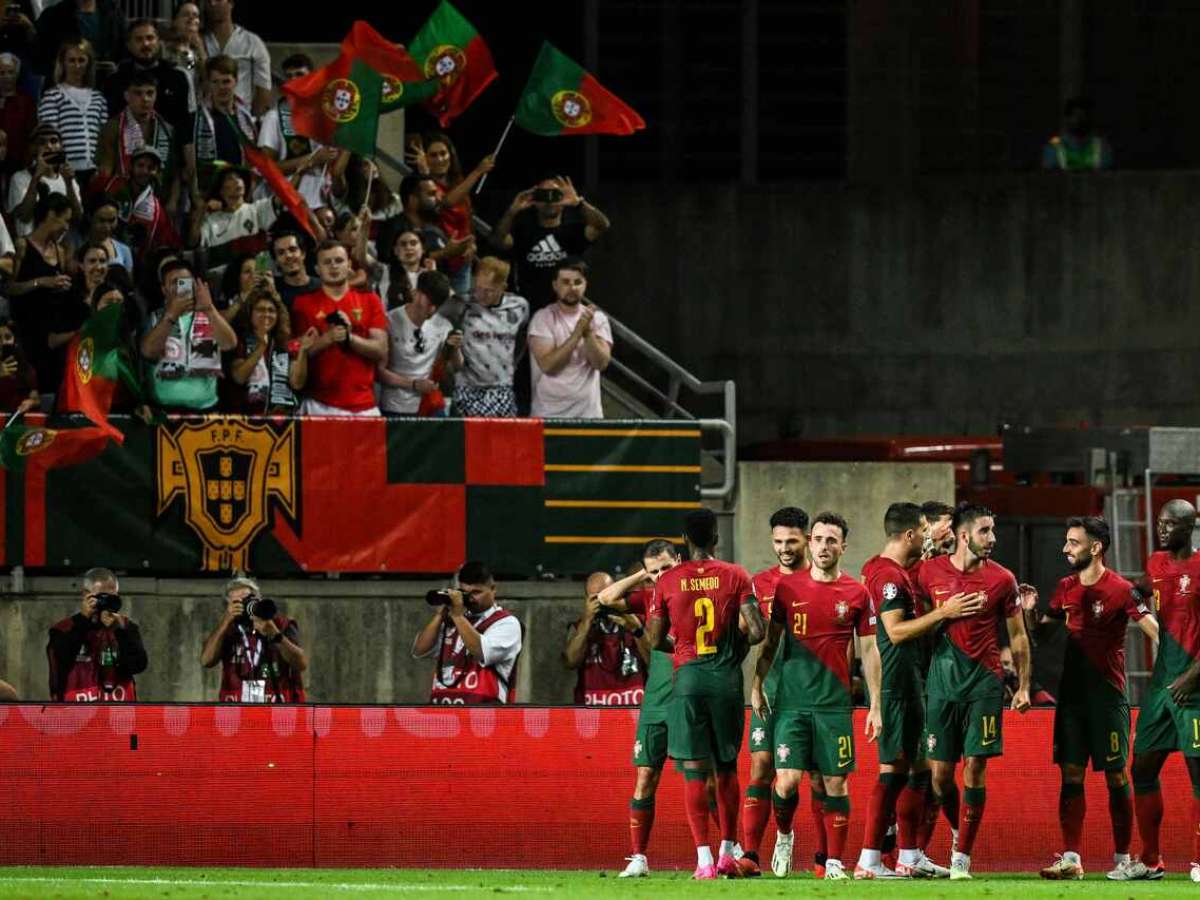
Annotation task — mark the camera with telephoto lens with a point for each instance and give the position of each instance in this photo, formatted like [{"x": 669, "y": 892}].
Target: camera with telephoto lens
[
  {"x": 259, "y": 607},
  {"x": 438, "y": 598},
  {"x": 110, "y": 603}
]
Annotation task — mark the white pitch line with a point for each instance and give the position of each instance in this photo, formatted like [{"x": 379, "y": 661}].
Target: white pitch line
[{"x": 287, "y": 885}]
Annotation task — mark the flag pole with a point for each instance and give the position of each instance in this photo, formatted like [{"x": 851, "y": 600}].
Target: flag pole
[
  {"x": 496, "y": 152},
  {"x": 12, "y": 419}
]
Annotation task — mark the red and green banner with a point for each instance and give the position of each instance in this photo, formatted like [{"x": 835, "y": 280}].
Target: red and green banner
[
  {"x": 450, "y": 50},
  {"x": 561, "y": 97},
  {"x": 96, "y": 365},
  {"x": 339, "y": 104}
]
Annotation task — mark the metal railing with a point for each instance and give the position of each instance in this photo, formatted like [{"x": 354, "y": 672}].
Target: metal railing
[{"x": 665, "y": 401}]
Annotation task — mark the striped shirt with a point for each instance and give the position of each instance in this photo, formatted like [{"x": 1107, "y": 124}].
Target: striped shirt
[{"x": 78, "y": 114}]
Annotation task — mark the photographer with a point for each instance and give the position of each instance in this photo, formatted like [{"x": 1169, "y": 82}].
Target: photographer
[
  {"x": 95, "y": 653},
  {"x": 475, "y": 640},
  {"x": 609, "y": 649},
  {"x": 258, "y": 649}
]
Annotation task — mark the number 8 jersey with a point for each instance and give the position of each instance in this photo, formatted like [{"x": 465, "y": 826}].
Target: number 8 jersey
[{"x": 699, "y": 601}]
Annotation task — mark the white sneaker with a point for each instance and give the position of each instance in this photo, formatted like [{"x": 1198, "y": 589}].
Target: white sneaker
[
  {"x": 1196, "y": 872},
  {"x": 738, "y": 852},
  {"x": 637, "y": 868},
  {"x": 960, "y": 867},
  {"x": 781, "y": 857},
  {"x": 1121, "y": 871},
  {"x": 922, "y": 868},
  {"x": 1064, "y": 868},
  {"x": 1136, "y": 870},
  {"x": 878, "y": 870},
  {"x": 834, "y": 871},
  {"x": 930, "y": 865}
]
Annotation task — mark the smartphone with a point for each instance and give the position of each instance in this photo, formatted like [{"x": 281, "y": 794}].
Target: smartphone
[
  {"x": 547, "y": 195},
  {"x": 185, "y": 287},
  {"x": 262, "y": 263},
  {"x": 56, "y": 159}
]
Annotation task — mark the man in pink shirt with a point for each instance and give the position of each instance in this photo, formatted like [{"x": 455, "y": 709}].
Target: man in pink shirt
[{"x": 571, "y": 344}]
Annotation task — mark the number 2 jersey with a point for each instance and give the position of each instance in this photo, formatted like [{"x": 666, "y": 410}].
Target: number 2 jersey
[
  {"x": 966, "y": 655},
  {"x": 699, "y": 602},
  {"x": 819, "y": 619},
  {"x": 1176, "y": 584}
]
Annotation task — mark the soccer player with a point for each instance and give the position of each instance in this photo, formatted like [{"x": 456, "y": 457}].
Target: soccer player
[
  {"x": 789, "y": 539},
  {"x": 1170, "y": 715},
  {"x": 903, "y": 771},
  {"x": 704, "y": 604},
  {"x": 939, "y": 537},
  {"x": 965, "y": 707},
  {"x": 1091, "y": 720},
  {"x": 819, "y": 610}
]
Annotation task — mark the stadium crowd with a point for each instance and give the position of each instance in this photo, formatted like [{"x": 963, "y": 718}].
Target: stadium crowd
[{"x": 125, "y": 178}]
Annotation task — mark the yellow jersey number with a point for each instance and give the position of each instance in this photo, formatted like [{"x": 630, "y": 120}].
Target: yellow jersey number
[{"x": 706, "y": 622}]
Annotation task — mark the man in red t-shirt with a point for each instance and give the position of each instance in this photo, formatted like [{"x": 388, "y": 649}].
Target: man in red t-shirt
[{"x": 351, "y": 340}]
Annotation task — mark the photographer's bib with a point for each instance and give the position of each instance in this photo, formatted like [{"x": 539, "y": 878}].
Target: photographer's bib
[
  {"x": 612, "y": 673},
  {"x": 252, "y": 670},
  {"x": 462, "y": 679},
  {"x": 94, "y": 676}
]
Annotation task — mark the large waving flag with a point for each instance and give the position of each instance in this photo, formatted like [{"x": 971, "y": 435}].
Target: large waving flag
[
  {"x": 23, "y": 446},
  {"x": 95, "y": 366},
  {"x": 449, "y": 49},
  {"x": 561, "y": 97}
]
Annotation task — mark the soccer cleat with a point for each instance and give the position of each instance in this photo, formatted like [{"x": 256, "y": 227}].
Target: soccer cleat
[
  {"x": 819, "y": 865},
  {"x": 1196, "y": 872},
  {"x": 928, "y": 865},
  {"x": 835, "y": 872},
  {"x": 705, "y": 873},
  {"x": 738, "y": 852},
  {"x": 1136, "y": 870},
  {"x": 1063, "y": 869},
  {"x": 728, "y": 866},
  {"x": 879, "y": 870},
  {"x": 960, "y": 867},
  {"x": 637, "y": 868},
  {"x": 749, "y": 867},
  {"x": 781, "y": 857}
]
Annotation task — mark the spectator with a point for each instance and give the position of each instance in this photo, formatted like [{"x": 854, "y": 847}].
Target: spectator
[
  {"x": 292, "y": 259},
  {"x": 137, "y": 126},
  {"x": 349, "y": 229},
  {"x": 436, "y": 156},
  {"x": 235, "y": 226},
  {"x": 325, "y": 217},
  {"x": 174, "y": 99},
  {"x": 95, "y": 653},
  {"x": 268, "y": 364},
  {"x": 212, "y": 135},
  {"x": 242, "y": 276},
  {"x": 139, "y": 207},
  {"x": 74, "y": 108},
  {"x": 258, "y": 648},
  {"x": 99, "y": 225},
  {"x": 298, "y": 156},
  {"x": 183, "y": 342},
  {"x": 18, "y": 113},
  {"x": 91, "y": 267},
  {"x": 41, "y": 288},
  {"x": 544, "y": 225},
  {"x": 352, "y": 339},
  {"x": 570, "y": 344},
  {"x": 116, "y": 289},
  {"x": 18, "y": 36},
  {"x": 18, "y": 380},
  {"x": 1079, "y": 148},
  {"x": 418, "y": 196},
  {"x": 48, "y": 172},
  {"x": 223, "y": 38},
  {"x": 491, "y": 325},
  {"x": 364, "y": 186},
  {"x": 475, "y": 640},
  {"x": 418, "y": 337},
  {"x": 183, "y": 48},
  {"x": 99, "y": 21},
  {"x": 408, "y": 260},
  {"x": 608, "y": 649},
  {"x": 939, "y": 535}
]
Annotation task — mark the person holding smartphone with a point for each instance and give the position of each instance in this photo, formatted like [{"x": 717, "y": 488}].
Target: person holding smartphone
[
  {"x": 47, "y": 166},
  {"x": 184, "y": 342}
]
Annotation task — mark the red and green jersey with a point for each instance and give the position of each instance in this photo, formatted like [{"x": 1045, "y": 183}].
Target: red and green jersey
[
  {"x": 765, "y": 583},
  {"x": 699, "y": 601},
  {"x": 658, "y": 674},
  {"x": 890, "y": 587},
  {"x": 966, "y": 656},
  {"x": 561, "y": 97},
  {"x": 1096, "y": 618},
  {"x": 819, "y": 621},
  {"x": 1177, "y": 605}
]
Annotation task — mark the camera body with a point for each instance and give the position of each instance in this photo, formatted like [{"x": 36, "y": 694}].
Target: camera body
[
  {"x": 547, "y": 195},
  {"x": 259, "y": 607},
  {"x": 438, "y": 598},
  {"x": 56, "y": 159},
  {"x": 110, "y": 603},
  {"x": 335, "y": 318}
]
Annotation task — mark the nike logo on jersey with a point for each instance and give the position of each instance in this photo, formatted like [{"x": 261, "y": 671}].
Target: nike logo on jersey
[
  {"x": 938, "y": 593},
  {"x": 1112, "y": 758},
  {"x": 987, "y": 743},
  {"x": 843, "y": 765}
]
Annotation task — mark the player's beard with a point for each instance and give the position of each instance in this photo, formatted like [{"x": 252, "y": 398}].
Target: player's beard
[
  {"x": 979, "y": 550},
  {"x": 1079, "y": 563},
  {"x": 790, "y": 560}
]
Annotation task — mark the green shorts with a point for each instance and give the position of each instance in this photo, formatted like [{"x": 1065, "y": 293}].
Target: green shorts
[
  {"x": 903, "y": 729},
  {"x": 960, "y": 728},
  {"x": 650, "y": 744},
  {"x": 703, "y": 726},
  {"x": 1096, "y": 729},
  {"x": 1164, "y": 725},
  {"x": 815, "y": 740},
  {"x": 762, "y": 734}
]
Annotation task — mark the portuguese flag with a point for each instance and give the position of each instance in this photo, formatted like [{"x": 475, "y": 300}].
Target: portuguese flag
[
  {"x": 339, "y": 103},
  {"x": 23, "y": 446},
  {"x": 561, "y": 97},
  {"x": 95, "y": 365},
  {"x": 280, "y": 185},
  {"x": 450, "y": 50}
]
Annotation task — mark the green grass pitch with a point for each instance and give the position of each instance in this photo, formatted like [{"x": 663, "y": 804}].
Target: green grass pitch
[{"x": 286, "y": 884}]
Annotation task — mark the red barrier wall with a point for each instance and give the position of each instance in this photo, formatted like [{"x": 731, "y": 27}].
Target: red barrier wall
[{"x": 426, "y": 787}]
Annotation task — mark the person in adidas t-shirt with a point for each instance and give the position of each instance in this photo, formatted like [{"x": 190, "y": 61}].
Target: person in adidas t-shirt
[{"x": 545, "y": 225}]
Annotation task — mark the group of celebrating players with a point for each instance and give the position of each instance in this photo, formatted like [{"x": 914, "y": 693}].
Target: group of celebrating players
[{"x": 925, "y": 623}]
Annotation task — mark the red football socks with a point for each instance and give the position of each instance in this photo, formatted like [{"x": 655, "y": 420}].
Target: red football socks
[
  {"x": 837, "y": 823},
  {"x": 755, "y": 812},
  {"x": 695, "y": 793},
  {"x": 1147, "y": 802},
  {"x": 880, "y": 808},
  {"x": 728, "y": 794},
  {"x": 1071, "y": 808},
  {"x": 817, "y": 808},
  {"x": 641, "y": 820},
  {"x": 1120, "y": 811},
  {"x": 972, "y": 818},
  {"x": 910, "y": 809}
]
